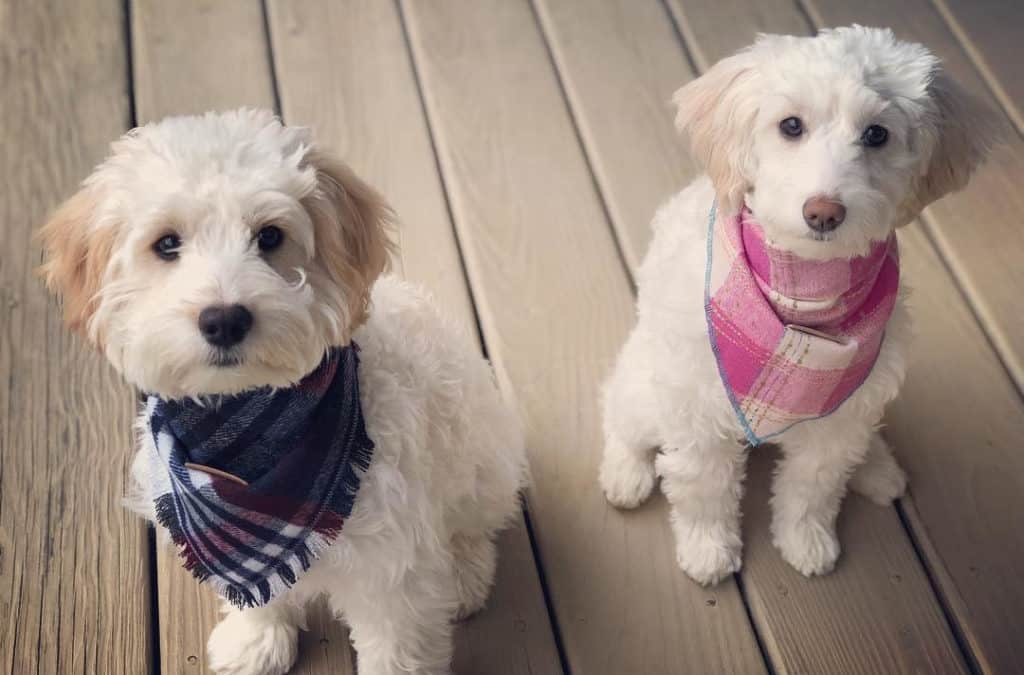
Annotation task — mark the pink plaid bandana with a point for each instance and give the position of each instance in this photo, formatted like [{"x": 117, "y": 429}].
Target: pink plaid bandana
[{"x": 793, "y": 337}]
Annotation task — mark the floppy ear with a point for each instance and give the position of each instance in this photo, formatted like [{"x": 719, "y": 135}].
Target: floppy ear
[
  {"x": 76, "y": 254},
  {"x": 717, "y": 111},
  {"x": 351, "y": 222},
  {"x": 962, "y": 130}
]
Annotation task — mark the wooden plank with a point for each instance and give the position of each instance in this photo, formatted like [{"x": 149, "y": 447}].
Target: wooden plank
[
  {"x": 990, "y": 31},
  {"x": 702, "y": 25},
  {"x": 344, "y": 69},
  {"x": 635, "y": 46},
  {"x": 74, "y": 570},
  {"x": 966, "y": 468},
  {"x": 190, "y": 58},
  {"x": 957, "y": 427},
  {"x": 955, "y": 418},
  {"x": 875, "y": 613},
  {"x": 855, "y": 620},
  {"x": 198, "y": 56},
  {"x": 555, "y": 305},
  {"x": 980, "y": 231}
]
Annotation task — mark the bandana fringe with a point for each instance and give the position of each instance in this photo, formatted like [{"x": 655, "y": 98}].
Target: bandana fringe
[{"x": 252, "y": 543}]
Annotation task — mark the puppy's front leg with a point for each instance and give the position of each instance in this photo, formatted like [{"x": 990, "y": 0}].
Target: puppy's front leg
[
  {"x": 818, "y": 459},
  {"x": 704, "y": 483},
  {"x": 255, "y": 641}
]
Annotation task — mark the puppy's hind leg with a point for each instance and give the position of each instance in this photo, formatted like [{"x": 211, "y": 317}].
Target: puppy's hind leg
[
  {"x": 406, "y": 627},
  {"x": 880, "y": 477},
  {"x": 627, "y": 468},
  {"x": 475, "y": 560}
]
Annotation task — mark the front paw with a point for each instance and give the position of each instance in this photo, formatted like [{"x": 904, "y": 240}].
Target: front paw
[
  {"x": 707, "y": 553},
  {"x": 250, "y": 642},
  {"x": 809, "y": 546}
]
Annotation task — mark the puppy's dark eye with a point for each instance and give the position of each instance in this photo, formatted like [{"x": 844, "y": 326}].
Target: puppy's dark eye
[
  {"x": 269, "y": 238},
  {"x": 166, "y": 247},
  {"x": 875, "y": 136},
  {"x": 792, "y": 127}
]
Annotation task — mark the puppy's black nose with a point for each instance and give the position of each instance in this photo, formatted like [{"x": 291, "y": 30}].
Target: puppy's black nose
[
  {"x": 225, "y": 326},
  {"x": 823, "y": 214}
]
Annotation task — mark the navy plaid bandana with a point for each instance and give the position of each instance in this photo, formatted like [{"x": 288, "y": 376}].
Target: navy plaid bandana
[{"x": 252, "y": 487}]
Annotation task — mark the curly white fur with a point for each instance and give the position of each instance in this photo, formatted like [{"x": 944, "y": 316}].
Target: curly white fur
[
  {"x": 665, "y": 392},
  {"x": 418, "y": 549}
]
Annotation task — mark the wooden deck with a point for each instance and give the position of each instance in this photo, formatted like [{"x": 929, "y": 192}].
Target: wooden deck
[{"x": 525, "y": 145}]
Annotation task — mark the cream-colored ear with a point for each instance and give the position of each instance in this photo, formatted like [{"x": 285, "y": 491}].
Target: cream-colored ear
[
  {"x": 718, "y": 111},
  {"x": 962, "y": 130},
  {"x": 351, "y": 222},
  {"x": 76, "y": 255}
]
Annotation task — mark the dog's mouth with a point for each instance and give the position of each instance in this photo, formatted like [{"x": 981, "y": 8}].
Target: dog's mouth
[
  {"x": 225, "y": 358},
  {"x": 822, "y": 236}
]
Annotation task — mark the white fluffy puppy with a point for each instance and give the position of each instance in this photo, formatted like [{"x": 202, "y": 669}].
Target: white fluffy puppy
[
  {"x": 236, "y": 210},
  {"x": 851, "y": 121}
]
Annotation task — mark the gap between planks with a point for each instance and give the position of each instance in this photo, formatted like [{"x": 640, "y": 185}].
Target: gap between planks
[{"x": 1008, "y": 106}]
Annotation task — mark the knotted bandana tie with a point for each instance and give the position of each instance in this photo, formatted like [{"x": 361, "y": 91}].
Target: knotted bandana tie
[
  {"x": 793, "y": 337},
  {"x": 252, "y": 487}
]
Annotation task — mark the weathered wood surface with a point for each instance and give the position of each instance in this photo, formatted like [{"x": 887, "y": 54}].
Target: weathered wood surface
[
  {"x": 191, "y": 57},
  {"x": 619, "y": 63},
  {"x": 990, "y": 32},
  {"x": 74, "y": 567},
  {"x": 554, "y": 141},
  {"x": 555, "y": 304},
  {"x": 957, "y": 428}
]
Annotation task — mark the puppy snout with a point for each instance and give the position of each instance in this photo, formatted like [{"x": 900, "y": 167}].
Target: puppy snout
[
  {"x": 225, "y": 326},
  {"x": 823, "y": 214}
]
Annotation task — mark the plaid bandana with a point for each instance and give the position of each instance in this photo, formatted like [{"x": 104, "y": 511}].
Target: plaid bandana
[
  {"x": 793, "y": 337},
  {"x": 252, "y": 487}
]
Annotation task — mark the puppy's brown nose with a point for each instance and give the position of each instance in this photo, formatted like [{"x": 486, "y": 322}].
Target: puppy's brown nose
[
  {"x": 823, "y": 214},
  {"x": 225, "y": 326}
]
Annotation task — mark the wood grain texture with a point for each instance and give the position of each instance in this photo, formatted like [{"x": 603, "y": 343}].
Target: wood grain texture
[
  {"x": 957, "y": 427},
  {"x": 713, "y": 30},
  {"x": 74, "y": 572},
  {"x": 979, "y": 231},
  {"x": 855, "y": 620},
  {"x": 190, "y": 58},
  {"x": 555, "y": 306},
  {"x": 990, "y": 33},
  {"x": 621, "y": 61},
  {"x": 876, "y": 613},
  {"x": 344, "y": 69}
]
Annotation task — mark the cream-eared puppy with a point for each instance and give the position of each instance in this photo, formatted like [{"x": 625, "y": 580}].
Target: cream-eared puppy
[
  {"x": 830, "y": 143},
  {"x": 225, "y": 253}
]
